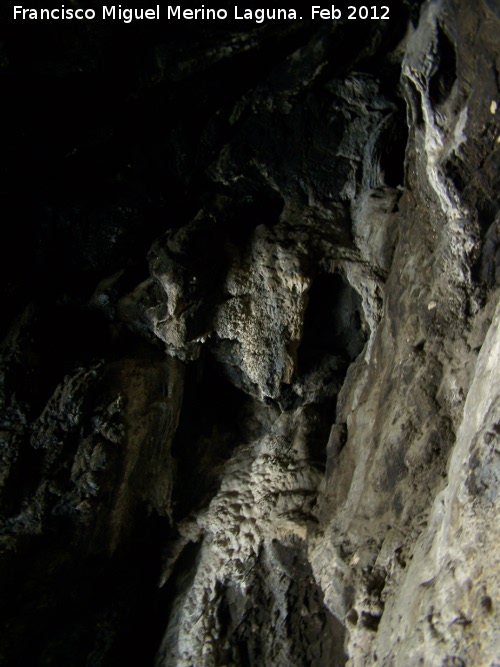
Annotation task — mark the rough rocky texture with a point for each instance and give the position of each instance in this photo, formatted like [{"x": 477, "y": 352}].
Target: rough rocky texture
[{"x": 276, "y": 442}]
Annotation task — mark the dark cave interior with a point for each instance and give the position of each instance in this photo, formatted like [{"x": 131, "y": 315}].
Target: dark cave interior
[{"x": 184, "y": 292}]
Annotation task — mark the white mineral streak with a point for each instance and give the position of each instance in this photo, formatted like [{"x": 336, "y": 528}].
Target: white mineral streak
[
  {"x": 443, "y": 134},
  {"x": 419, "y": 71}
]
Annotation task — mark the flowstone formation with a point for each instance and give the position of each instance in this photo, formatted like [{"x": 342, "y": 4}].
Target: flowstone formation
[{"x": 276, "y": 441}]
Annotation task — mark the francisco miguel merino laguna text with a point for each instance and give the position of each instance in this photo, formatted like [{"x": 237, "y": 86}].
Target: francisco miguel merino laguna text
[{"x": 127, "y": 15}]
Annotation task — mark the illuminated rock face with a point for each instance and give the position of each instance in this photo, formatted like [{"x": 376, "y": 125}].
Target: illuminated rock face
[{"x": 276, "y": 442}]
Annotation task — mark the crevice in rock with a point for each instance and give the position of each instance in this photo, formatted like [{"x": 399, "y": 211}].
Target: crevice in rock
[
  {"x": 441, "y": 82},
  {"x": 333, "y": 324},
  {"x": 212, "y": 422},
  {"x": 258, "y": 206},
  {"x": 393, "y": 152},
  {"x": 415, "y": 103}
]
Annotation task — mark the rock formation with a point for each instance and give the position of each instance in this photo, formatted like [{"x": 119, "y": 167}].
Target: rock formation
[{"x": 249, "y": 392}]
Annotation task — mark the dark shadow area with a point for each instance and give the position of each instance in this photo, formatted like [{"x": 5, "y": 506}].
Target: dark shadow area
[
  {"x": 257, "y": 206},
  {"x": 441, "y": 83},
  {"x": 139, "y": 640},
  {"x": 333, "y": 323},
  {"x": 415, "y": 101},
  {"x": 210, "y": 427},
  {"x": 393, "y": 151},
  {"x": 83, "y": 610}
]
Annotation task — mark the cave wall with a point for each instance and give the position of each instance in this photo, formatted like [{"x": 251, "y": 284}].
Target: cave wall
[{"x": 251, "y": 329}]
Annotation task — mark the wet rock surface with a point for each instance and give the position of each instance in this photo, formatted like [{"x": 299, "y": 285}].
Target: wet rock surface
[{"x": 248, "y": 377}]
